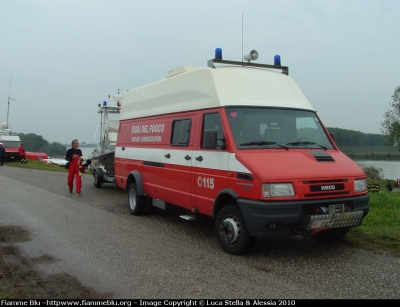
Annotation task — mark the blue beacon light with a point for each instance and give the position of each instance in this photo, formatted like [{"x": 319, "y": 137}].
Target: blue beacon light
[
  {"x": 277, "y": 60},
  {"x": 104, "y": 103},
  {"x": 218, "y": 54}
]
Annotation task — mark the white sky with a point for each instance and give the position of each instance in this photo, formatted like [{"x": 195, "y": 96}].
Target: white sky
[{"x": 63, "y": 58}]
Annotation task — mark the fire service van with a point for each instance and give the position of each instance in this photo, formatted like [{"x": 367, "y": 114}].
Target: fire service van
[
  {"x": 238, "y": 142},
  {"x": 11, "y": 142}
]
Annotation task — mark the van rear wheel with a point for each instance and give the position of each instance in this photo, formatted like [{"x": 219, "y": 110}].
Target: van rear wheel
[
  {"x": 136, "y": 203},
  {"x": 232, "y": 232}
]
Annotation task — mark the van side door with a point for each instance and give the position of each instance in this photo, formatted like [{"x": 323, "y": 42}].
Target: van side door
[
  {"x": 211, "y": 164},
  {"x": 178, "y": 163}
]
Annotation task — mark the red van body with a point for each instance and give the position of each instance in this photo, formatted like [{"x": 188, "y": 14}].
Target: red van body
[{"x": 241, "y": 144}]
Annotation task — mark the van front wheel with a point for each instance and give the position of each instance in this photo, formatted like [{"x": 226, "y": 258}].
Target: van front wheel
[
  {"x": 136, "y": 203},
  {"x": 232, "y": 232}
]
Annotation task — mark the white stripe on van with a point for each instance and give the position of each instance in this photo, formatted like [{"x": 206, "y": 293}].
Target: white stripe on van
[{"x": 211, "y": 159}]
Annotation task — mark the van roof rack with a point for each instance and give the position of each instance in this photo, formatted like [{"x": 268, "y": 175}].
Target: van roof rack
[{"x": 285, "y": 69}]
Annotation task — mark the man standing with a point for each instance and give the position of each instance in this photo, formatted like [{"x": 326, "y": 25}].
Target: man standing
[
  {"x": 73, "y": 157},
  {"x": 21, "y": 150},
  {"x": 389, "y": 187},
  {"x": 2, "y": 154}
]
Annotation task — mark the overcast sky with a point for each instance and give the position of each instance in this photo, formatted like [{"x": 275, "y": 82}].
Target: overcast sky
[{"x": 63, "y": 58}]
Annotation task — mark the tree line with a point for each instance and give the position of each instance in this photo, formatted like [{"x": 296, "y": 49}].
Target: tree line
[
  {"x": 36, "y": 143},
  {"x": 349, "y": 138}
]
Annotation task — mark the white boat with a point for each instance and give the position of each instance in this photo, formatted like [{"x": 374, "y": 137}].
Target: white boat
[
  {"x": 59, "y": 162},
  {"x": 102, "y": 163}
]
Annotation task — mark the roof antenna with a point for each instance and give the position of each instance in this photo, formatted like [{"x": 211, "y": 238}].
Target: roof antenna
[
  {"x": 242, "y": 36},
  {"x": 9, "y": 98}
]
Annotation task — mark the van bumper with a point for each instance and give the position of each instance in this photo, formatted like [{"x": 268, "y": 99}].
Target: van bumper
[{"x": 264, "y": 219}]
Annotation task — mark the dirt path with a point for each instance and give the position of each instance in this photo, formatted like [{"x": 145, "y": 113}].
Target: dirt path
[{"x": 19, "y": 279}]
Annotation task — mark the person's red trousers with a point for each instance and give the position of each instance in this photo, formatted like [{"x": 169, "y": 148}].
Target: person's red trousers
[{"x": 73, "y": 171}]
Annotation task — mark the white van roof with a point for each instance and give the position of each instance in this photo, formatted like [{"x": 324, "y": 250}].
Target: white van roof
[{"x": 192, "y": 88}]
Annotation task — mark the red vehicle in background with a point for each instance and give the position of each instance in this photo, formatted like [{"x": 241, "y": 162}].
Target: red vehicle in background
[{"x": 11, "y": 143}]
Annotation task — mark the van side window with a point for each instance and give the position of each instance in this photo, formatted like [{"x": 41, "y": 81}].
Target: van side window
[
  {"x": 181, "y": 132},
  {"x": 213, "y": 121}
]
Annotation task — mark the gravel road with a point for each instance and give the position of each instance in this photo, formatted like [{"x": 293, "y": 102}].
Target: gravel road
[{"x": 96, "y": 240}]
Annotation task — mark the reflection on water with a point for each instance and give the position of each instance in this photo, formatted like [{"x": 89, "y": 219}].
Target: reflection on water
[{"x": 390, "y": 169}]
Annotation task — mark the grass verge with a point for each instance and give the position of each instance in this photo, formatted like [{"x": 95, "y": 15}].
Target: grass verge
[{"x": 380, "y": 229}]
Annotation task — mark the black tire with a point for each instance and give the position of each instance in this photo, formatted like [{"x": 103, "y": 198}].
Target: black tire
[
  {"x": 329, "y": 236},
  {"x": 231, "y": 231},
  {"x": 97, "y": 181},
  {"x": 137, "y": 203},
  {"x": 150, "y": 209}
]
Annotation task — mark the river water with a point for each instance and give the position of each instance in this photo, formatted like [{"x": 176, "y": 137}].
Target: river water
[
  {"x": 87, "y": 151},
  {"x": 390, "y": 169}
]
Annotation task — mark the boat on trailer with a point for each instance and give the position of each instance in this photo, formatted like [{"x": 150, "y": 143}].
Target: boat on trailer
[{"x": 102, "y": 166}]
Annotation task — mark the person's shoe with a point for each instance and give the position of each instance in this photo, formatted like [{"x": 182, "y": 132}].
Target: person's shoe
[
  {"x": 70, "y": 191},
  {"x": 78, "y": 194}
]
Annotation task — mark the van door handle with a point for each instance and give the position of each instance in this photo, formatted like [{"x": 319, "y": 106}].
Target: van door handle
[
  {"x": 199, "y": 158},
  {"x": 167, "y": 156},
  {"x": 187, "y": 157}
]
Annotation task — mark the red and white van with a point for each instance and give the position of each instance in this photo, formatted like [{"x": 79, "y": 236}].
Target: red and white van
[
  {"x": 11, "y": 143},
  {"x": 239, "y": 142}
]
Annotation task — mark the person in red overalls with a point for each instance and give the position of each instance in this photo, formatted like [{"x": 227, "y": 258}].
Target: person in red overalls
[
  {"x": 21, "y": 150},
  {"x": 73, "y": 156}
]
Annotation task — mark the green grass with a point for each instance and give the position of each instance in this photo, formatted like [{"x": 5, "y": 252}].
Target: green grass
[
  {"x": 380, "y": 229},
  {"x": 32, "y": 164}
]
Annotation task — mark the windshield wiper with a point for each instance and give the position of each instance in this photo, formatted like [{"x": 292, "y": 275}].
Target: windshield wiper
[
  {"x": 262, "y": 143},
  {"x": 306, "y": 143}
]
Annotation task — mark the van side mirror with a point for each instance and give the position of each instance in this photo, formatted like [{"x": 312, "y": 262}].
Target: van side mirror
[{"x": 210, "y": 139}]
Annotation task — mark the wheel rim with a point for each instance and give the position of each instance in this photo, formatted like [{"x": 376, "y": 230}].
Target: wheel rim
[
  {"x": 132, "y": 199},
  {"x": 230, "y": 230}
]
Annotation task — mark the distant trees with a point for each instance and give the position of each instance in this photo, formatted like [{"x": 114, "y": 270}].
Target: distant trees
[
  {"x": 344, "y": 137},
  {"x": 391, "y": 123},
  {"x": 34, "y": 142}
]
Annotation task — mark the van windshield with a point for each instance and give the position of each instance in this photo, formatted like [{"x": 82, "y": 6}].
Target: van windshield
[
  {"x": 255, "y": 127},
  {"x": 11, "y": 144}
]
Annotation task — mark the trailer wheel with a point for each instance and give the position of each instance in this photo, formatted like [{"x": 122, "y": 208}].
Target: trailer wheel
[
  {"x": 232, "y": 232},
  {"x": 329, "y": 236},
  {"x": 97, "y": 180},
  {"x": 136, "y": 203}
]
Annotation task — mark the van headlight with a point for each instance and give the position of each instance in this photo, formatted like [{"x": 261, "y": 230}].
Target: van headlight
[
  {"x": 360, "y": 185},
  {"x": 277, "y": 190}
]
